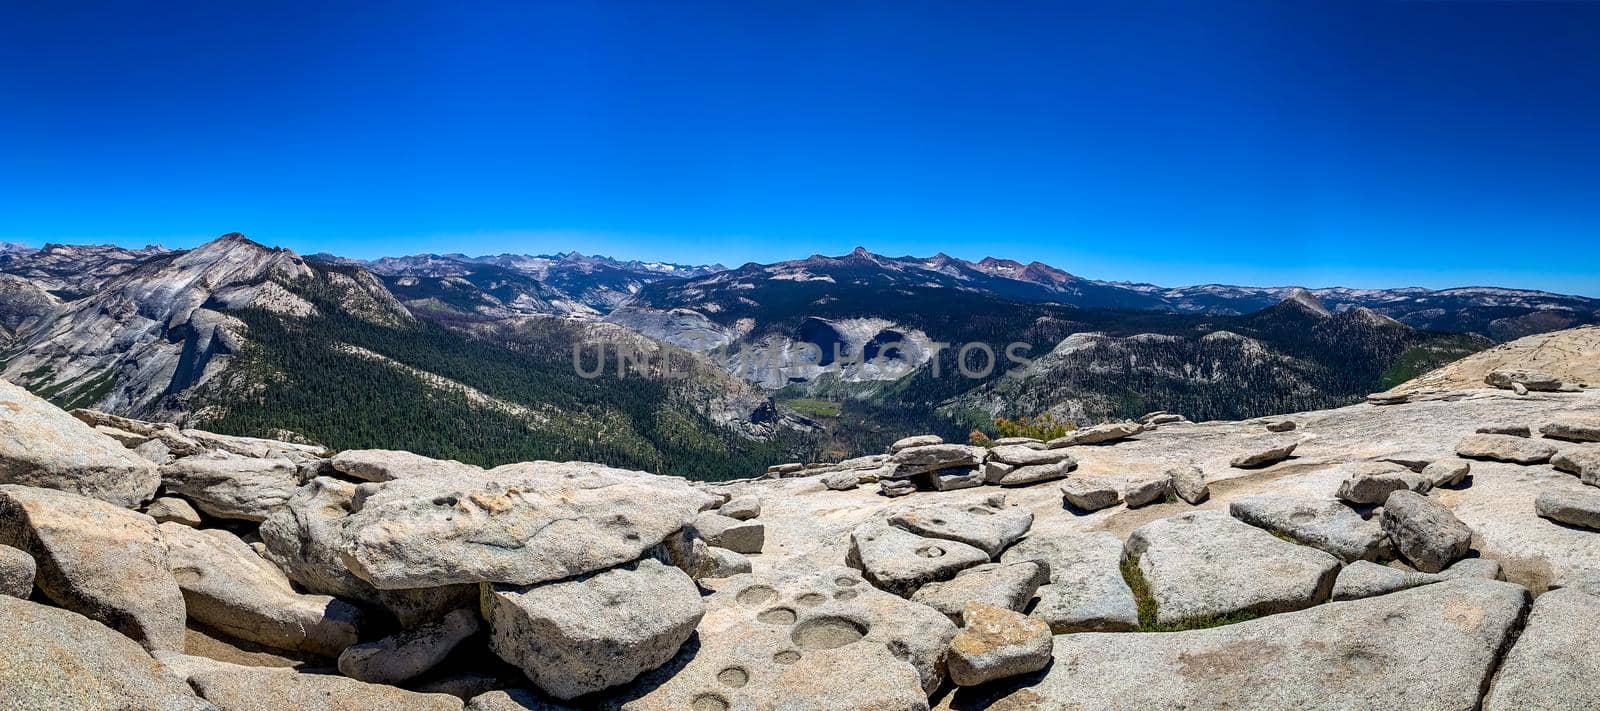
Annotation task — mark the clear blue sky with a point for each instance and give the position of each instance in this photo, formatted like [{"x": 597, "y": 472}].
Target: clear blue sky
[{"x": 1365, "y": 144}]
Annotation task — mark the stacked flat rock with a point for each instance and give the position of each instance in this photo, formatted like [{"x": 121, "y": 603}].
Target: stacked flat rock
[
  {"x": 44, "y": 447},
  {"x": 1086, "y": 591},
  {"x": 1371, "y": 483},
  {"x": 922, "y": 459},
  {"x": 1322, "y": 524},
  {"x": 1098, "y": 434},
  {"x": 1509, "y": 378},
  {"x": 1506, "y": 448},
  {"x": 1576, "y": 428}
]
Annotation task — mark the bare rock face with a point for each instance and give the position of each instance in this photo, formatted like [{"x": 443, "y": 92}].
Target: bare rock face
[
  {"x": 379, "y": 465},
  {"x": 233, "y": 487},
  {"x": 841, "y": 481},
  {"x": 410, "y": 654},
  {"x": 739, "y": 536},
  {"x": 1266, "y": 454},
  {"x": 917, "y": 441},
  {"x": 1570, "y": 506},
  {"x": 1367, "y": 579},
  {"x": 42, "y": 446},
  {"x": 1086, "y": 591},
  {"x": 104, "y": 562},
  {"x": 1370, "y": 483},
  {"x": 1144, "y": 493},
  {"x": 901, "y": 562},
  {"x": 240, "y": 688},
  {"x": 1585, "y": 462},
  {"x": 1576, "y": 428},
  {"x": 1007, "y": 585},
  {"x": 1023, "y": 455},
  {"x": 1506, "y": 378},
  {"x": 1447, "y": 472},
  {"x": 1556, "y": 659},
  {"x": 1424, "y": 531},
  {"x": 1036, "y": 473},
  {"x": 741, "y": 508},
  {"x": 305, "y": 539},
  {"x": 804, "y": 641},
  {"x": 1099, "y": 434},
  {"x": 1090, "y": 493},
  {"x": 997, "y": 643},
  {"x": 17, "y": 571},
  {"x": 596, "y": 631},
  {"x": 231, "y": 589},
  {"x": 989, "y": 527},
  {"x": 1433, "y": 648},
  {"x": 922, "y": 459},
  {"x": 540, "y": 522},
  {"x": 1506, "y": 448},
  {"x": 1207, "y": 563},
  {"x": 1189, "y": 483},
  {"x": 173, "y": 509},
  {"x": 54, "y": 659},
  {"x": 1322, "y": 524}
]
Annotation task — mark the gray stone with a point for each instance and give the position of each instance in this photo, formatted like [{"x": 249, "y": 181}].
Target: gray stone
[
  {"x": 1023, "y": 455},
  {"x": 1424, "y": 531},
  {"x": 1474, "y": 568},
  {"x": 1265, "y": 454},
  {"x": 1099, "y": 434},
  {"x": 44, "y": 447},
  {"x": 997, "y": 643},
  {"x": 730, "y": 533},
  {"x": 1507, "y": 429},
  {"x": 1322, "y": 524},
  {"x": 1576, "y": 428},
  {"x": 235, "y": 487},
  {"x": 742, "y": 508},
  {"x": 1447, "y": 472},
  {"x": 926, "y": 458},
  {"x": 1189, "y": 483},
  {"x": 1583, "y": 461},
  {"x": 994, "y": 471},
  {"x": 1038, "y": 473},
  {"x": 1429, "y": 649},
  {"x": 841, "y": 481},
  {"x": 156, "y": 452},
  {"x": 539, "y": 522},
  {"x": 596, "y": 631},
  {"x": 381, "y": 465},
  {"x": 409, "y": 654},
  {"x": 956, "y": 479},
  {"x": 917, "y": 441},
  {"x": 1205, "y": 564},
  {"x": 1371, "y": 483},
  {"x": 256, "y": 447},
  {"x": 1281, "y": 426},
  {"x": 1086, "y": 592},
  {"x": 896, "y": 487},
  {"x": 97, "y": 559},
  {"x": 55, "y": 659},
  {"x": 1007, "y": 585},
  {"x": 1555, "y": 661},
  {"x": 305, "y": 539},
  {"x": 1506, "y": 448},
  {"x": 806, "y": 640},
  {"x": 989, "y": 527},
  {"x": 1023, "y": 441},
  {"x": 513, "y": 700},
  {"x": 17, "y": 571},
  {"x": 232, "y": 590},
  {"x": 1363, "y": 579},
  {"x": 1144, "y": 493},
  {"x": 1505, "y": 378},
  {"x": 175, "y": 510},
  {"x": 234, "y": 687},
  {"x": 1090, "y": 493},
  {"x": 1570, "y": 506},
  {"x": 900, "y": 562},
  {"x": 715, "y": 562}
]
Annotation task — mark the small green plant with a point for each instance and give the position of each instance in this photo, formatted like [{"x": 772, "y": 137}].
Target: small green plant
[
  {"x": 1045, "y": 427},
  {"x": 1146, "y": 604}
]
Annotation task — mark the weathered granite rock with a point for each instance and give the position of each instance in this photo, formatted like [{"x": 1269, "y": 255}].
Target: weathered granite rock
[
  {"x": 256, "y": 447},
  {"x": 1505, "y": 378},
  {"x": 94, "y": 558},
  {"x": 804, "y": 641},
  {"x": 228, "y": 486},
  {"x": 1514, "y": 430},
  {"x": 926, "y": 458},
  {"x": 17, "y": 571},
  {"x": 1189, "y": 483},
  {"x": 1389, "y": 397},
  {"x": 1570, "y": 506},
  {"x": 900, "y": 562},
  {"x": 542, "y": 522},
  {"x": 916, "y": 441},
  {"x": 381, "y": 465},
  {"x": 305, "y": 539},
  {"x": 1583, "y": 461},
  {"x": 1367, "y": 579},
  {"x": 1348, "y": 655},
  {"x": 44, "y": 447},
  {"x": 595, "y": 631},
  {"x": 1023, "y": 455},
  {"x": 730, "y": 533},
  {"x": 1506, "y": 448},
  {"x": 989, "y": 527},
  {"x": 1322, "y": 524},
  {"x": 234, "y": 687},
  {"x": 742, "y": 508},
  {"x": 1281, "y": 426},
  {"x": 1370, "y": 483},
  {"x": 841, "y": 481},
  {"x": 410, "y": 654},
  {"x": 156, "y": 452},
  {"x": 956, "y": 479},
  {"x": 1447, "y": 472},
  {"x": 712, "y": 562},
  {"x": 1424, "y": 531},
  {"x": 1090, "y": 493},
  {"x": 997, "y": 643},
  {"x": 994, "y": 471},
  {"x": 231, "y": 589},
  {"x": 1555, "y": 661},
  {"x": 513, "y": 700},
  {"x": 1474, "y": 568},
  {"x": 1023, "y": 441},
  {"x": 893, "y": 488},
  {"x": 1037, "y": 473},
  {"x": 55, "y": 659},
  {"x": 1576, "y": 428},
  {"x": 1086, "y": 591},
  {"x": 1265, "y": 454},
  {"x": 173, "y": 509},
  {"x": 1206, "y": 563},
  {"x": 1007, "y": 585},
  {"x": 1099, "y": 434},
  {"x": 1144, "y": 493}
]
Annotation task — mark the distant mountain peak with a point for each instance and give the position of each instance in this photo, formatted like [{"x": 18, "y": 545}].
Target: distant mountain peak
[{"x": 1304, "y": 298}]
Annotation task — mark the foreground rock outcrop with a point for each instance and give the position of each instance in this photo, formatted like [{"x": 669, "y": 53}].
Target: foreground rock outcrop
[{"x": 42, "y": 446}]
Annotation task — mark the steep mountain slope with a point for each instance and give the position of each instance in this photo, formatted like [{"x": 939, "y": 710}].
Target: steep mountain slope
[{"x": 1572, "y": 355}]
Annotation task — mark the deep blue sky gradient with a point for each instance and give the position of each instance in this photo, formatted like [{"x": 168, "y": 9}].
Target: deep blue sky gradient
[{"x": 1316, "y": 143}]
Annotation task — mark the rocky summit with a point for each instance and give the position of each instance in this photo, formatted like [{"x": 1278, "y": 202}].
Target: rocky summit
[{"x": 1437, "y": 547}]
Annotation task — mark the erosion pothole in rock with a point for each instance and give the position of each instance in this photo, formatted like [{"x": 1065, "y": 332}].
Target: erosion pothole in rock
[
  {"x": 733, "y": 677},
  {"x": 845, "y": 595},
  {"x": 777, "y": 616},
  {"x": 787, "y": 656},
  {"x": 811, "y": 599},
  {"x": 756, "y": 595},
  {"x": 845, "y": 582},
  {"x": 827, "y": 633},
  {"x": 709, "y": 702}
]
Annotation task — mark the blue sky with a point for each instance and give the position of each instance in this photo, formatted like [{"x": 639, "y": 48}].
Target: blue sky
[{"x": 1350, "y": 143}]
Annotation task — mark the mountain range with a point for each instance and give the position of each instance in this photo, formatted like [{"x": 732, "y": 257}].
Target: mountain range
[{"x": 473, "y": 357}]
